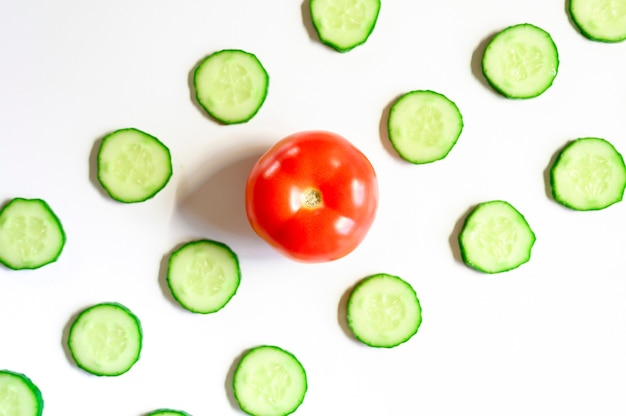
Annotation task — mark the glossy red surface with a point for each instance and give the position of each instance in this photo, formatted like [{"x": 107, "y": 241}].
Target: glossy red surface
[{"x": 308, "y": 168}]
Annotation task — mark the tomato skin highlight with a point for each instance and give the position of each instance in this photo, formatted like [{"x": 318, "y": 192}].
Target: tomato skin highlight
[{"x": 313, "y": 196}]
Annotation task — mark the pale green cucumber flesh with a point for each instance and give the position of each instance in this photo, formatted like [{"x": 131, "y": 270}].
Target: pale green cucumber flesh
[
  {"x": 105, "y": 339},
  {"x": 600, "y": 20},
  {"x": 231, "y": 85},
  {"x": 383, "y": 311},
  {"x": 133, "y": 166},
  {"x": 203, "y": 275},
  {"x": 423, "y": 126},
  {"x": 31, "y": 235},
  {"x": 496, "y": 238},
  {"x": 19, "y": 396},
  {"x": 269, "y": 381},
  {"x": 588, "y": 174},
  {"x": 344, "y": 24},
  {"x": 521, "y": 61}
]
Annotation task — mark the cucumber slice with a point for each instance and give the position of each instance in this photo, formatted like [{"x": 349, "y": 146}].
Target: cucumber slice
[
  {"x": 521, "y": 61},
  {"x": 344, "y": 24},
  {"x": 133, "y": 166},
  {"x": 19, "y": 396},
  {"x": 496, "y": 238},
  {"x": 269, "y": 381},
  {"x": 105, "y": 339},
  {"x": 168, "y": 412},
  {"x": 588, "y": 174},
  {"x": 383, "y": 311},
  {"x": 31, "y": 235},
  {"x": 203, "y": 275},
  {"x": 423, "y": 126},
  {"x": 600, "y": 20},
  {"x": 231, "y": 85}
]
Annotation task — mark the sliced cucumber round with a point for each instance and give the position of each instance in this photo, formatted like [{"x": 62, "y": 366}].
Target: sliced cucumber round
[
  {"x": 423, "y": 126},
  {"x": 19, "y": 396},
  {"x": 133, "y": 166},
  {"x": 521, "y": 61},
  {"x": 168, "y": 412},
  {"x": 31, "y": 235},
  {"x": 588, "y": 174},
  {"x": 231, "y": 85},
  {"x": 203, "y": 275},
  {"x": 105, "y": 339},
  {"x": 269, "y": 381},
  {"x": 496, "y": 238},
  {"x": 600, "y": 20},
  {"x": 344, "y": 25},
  {"x": 383, "y": 311}
]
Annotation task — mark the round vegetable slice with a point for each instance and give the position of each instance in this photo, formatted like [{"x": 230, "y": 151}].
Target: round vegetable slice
[
  {"x": 313, "y": 196},
  {"x": 31, "y": 235},
  {"x": 133, "y": 166},
  {"x": 269, "y": 381},
  {"x": 231, "y": 85},
  {"x": 600, "y": 20},
  {"x": 423, "y": 126},
  {"x": 105, "y": 339},
  {"x": 203, "y": 275},
  {"x": 588, "y": 174},
  {"x": 496, "y": 238},
  {"x": 344, "y": 24},
  {"x": 383, "y": 311},
  {"x": 19, "y": 396},
  {"x": 521, "y": 61},
  {"x": 168, "y": 412}
]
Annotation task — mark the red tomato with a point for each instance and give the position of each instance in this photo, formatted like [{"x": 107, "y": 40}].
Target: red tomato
[{"x": 313, "y": 196}]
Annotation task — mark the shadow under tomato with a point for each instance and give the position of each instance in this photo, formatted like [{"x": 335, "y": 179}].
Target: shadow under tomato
[{"x": 216, "y": 207}]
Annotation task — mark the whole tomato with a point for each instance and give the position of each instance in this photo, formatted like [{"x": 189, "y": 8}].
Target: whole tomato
[{"x": 313, "y": 196}]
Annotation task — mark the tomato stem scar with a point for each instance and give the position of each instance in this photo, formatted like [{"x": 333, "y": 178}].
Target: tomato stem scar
[{"x": 311, "y": 198}]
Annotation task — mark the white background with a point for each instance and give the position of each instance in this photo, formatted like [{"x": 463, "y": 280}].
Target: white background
[{"x": 548, "y": 338}]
